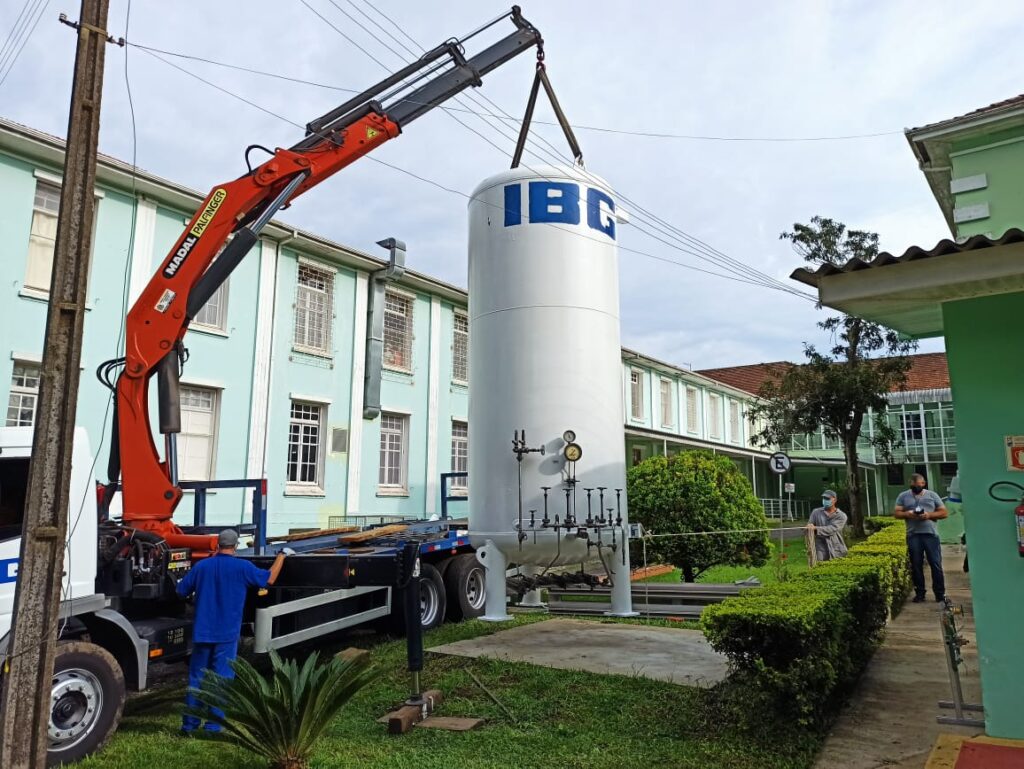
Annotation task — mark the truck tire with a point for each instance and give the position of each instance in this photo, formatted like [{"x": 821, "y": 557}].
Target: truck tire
[
  {"x": 464, "y": 583},
  {"x": 86, "y": 700},
  {"x": 432, "y": 602}
]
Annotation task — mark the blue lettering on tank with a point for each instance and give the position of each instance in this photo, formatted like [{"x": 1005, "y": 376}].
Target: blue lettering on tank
[
  {"x": 594, "y": 200},
  {"x": 9, "y": 570},
  {"x": 557, "y": 202}
]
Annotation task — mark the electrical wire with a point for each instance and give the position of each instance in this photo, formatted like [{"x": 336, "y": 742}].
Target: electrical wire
[
  {"x": 706, "y": 252},
  {"x": 440, "y": 185},
  {"x": 24, "y": 41},
  {"x": 7, "y": 45}
]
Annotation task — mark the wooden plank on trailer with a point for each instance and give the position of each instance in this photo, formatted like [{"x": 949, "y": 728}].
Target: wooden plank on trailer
[
  {"x": 313, "y": 533},
  {"x": 380, "y": 531}
]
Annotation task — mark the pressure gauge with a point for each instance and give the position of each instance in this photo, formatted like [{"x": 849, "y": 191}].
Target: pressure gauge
[
  {"x": 569, "y": 436},
  {"x": 572, "y": 452}
]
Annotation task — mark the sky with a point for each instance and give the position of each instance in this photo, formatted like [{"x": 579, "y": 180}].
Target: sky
[{"x": 734, "y": 70}]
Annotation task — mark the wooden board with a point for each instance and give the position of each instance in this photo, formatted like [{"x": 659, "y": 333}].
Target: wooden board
[
  {"x": 450, "y": 723},
  {"x": 380, "y": 531},
  {"x": 314, "y": 533}
]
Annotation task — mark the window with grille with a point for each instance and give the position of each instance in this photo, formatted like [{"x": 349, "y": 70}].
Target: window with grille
[
  {"x": 24, "y": 396},
  {"x": 460, "y": 348},
  {"x": 636, "y": 394},
  {"x": 198, "y": 438},
  {"x": 667, "y": 416},
  {"x": 912, "y": 427},
  {"x": 313, "y": 310},
  {"x": 394, "y": 430},
  {"x": 692, "y": 411},
  {"x": 715, "y": 416},
  {"x": 735, "y": 427},
  {"x": 460, "y": 457},
  {"x": 305, "y": 445},
  {"x": 42, "y": 236},
  {"x": 397, "y": 332}
]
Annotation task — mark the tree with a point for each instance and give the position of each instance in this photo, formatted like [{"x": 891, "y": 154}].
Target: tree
[
  {"x": 839, "y": 389},
  {"x": 691, "y": 492},
  {"x": 281, "y": 717}
]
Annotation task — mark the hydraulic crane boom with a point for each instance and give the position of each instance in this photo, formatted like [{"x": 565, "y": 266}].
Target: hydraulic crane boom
[{"x": 192, "y": 271}]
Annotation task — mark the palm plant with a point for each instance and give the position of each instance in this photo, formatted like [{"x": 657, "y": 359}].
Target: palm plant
[{"x": 280, "y": 716}]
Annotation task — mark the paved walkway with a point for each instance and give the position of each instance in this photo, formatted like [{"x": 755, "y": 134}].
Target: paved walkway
[{"x": 890, "y": 722}]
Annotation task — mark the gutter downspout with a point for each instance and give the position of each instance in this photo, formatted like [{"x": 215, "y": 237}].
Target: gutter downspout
[{"x": 377, "y": 285}]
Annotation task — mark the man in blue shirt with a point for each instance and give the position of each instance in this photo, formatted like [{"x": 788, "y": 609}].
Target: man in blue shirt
[
  {"x": 920, "y": 508},
  {"x": 220, "y": 584}
]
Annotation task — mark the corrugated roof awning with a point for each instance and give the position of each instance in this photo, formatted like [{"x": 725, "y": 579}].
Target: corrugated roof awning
[{"x": 906, "y": 292}]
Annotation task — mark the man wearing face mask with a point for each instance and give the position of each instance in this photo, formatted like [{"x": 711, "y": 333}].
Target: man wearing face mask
[
  {"x": 920, "y": 508},
  {"x": 827, "y": 523}
]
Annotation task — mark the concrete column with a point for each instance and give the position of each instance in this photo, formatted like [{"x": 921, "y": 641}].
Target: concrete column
[
  {"x": 355, "y": 419},
  {"x": 433, "y": 403},
  {"x": 256, "y": 462}
]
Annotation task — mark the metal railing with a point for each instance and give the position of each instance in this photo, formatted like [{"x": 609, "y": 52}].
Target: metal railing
[{"x": 787, "y": 509}]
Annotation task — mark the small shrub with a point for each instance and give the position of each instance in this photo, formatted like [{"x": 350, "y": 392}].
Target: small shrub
[{"x": 798, "y": 647}]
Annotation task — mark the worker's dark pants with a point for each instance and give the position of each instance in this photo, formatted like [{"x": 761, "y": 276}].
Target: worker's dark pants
[
  {"x": 921, "y": 546},
  {"x": 215, "y": 657}
]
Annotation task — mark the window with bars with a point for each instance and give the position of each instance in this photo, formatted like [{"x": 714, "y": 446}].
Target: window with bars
[
  {"x": 692, "y": 411},
  {"x": 460, "y": 457},
  {"x": 397, "y": 332},
  {"x": 735, "y": 423},
  {"x": 636, "y": 394},
  {"x": 715, "y": 416},
  {"x": 314, "y": 313},
  {"x": 305, "y": 446},
  {"x": 198, "y": 438},
  {"x": 394, "y": 429},
  {"x": 668, "y": 418},
  {"x": 42, "y": 236},
  {"x": 460, "y": 348},
  {"x": 24, "y": 396}
]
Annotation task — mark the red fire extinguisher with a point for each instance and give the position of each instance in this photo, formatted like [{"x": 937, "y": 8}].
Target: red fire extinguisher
[{"x": 1018, "y": 511}]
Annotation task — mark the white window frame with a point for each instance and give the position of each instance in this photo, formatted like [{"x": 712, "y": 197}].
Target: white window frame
[
  {"x": 316, "y": 486},
  {"x": 53, "y": 180},
  {"x": 715, "y": 416},
  {"x": 384, "y": 488},
  {"x": 636, "y": 395},
  {"x": 735, "y": 421},
  {"x": 215, "y": 398},
  {"x": 410, "y": 304},
  {"x": 460, "y": 458},
  {"x": 667, "y": 391},
  {"x": 906, "y": 417},
  {"x": 693, "y": 420},
  {"x": 460, "y": 316},
  {"x": 218, "y": 300},
  {"x": 302, "y": 345},
  {"x": 23, "y": 392}
]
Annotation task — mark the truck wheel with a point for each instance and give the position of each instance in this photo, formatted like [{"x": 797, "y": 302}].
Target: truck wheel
[
  {"x": 432, "y": 596},
  {"x": 86, "y": 699},
  {"x": 464, "y": 582}
]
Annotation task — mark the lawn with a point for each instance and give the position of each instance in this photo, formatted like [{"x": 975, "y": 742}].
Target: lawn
[
  {"x": 561, "y": 719},
  {"x": 796, "y": 562}
]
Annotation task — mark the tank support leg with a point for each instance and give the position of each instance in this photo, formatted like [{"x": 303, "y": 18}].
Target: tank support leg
[
  {"x": 495, "y": 565},
  {"x": 622, "y": 587},
  {"x": 532, "y": 598}
]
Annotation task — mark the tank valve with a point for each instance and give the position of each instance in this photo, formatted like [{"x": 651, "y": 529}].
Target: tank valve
[
  {"x": 618, "y": 507},
  {"x": 590, "y": 517},
  {"x": 546, "y": 521}
]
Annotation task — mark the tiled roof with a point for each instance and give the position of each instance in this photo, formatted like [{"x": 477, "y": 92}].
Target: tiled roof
[
  {"x": 1005, "y": 105},
  {"x": 943, "y": 247},
  {"x": 928, "y": 371}
]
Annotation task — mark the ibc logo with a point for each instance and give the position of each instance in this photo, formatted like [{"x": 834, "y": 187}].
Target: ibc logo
[{"x": 559, "y": 203}]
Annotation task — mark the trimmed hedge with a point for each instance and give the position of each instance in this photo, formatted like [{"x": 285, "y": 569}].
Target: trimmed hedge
[{"x": 800, "y": 646}]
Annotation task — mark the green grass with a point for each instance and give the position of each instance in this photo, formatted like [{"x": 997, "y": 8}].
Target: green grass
[
  {"x": 561, "y": 719},
  {"x": 796, "y": 560}
]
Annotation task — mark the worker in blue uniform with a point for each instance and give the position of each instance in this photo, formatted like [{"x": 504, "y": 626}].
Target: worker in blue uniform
[{"x": 220, "y": 584}]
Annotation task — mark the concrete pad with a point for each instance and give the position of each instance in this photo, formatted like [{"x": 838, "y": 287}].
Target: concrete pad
[{"x": 664, "y": 654}]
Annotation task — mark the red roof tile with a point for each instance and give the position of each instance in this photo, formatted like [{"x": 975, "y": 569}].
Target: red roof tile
[
  {"x": 999, "y": 106},
  {"x": 928, "y": 371}
]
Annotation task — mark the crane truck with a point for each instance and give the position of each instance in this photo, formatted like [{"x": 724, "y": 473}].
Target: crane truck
[{"x": 119, "y": 611}]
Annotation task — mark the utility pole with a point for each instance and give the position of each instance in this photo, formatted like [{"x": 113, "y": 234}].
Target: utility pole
[{"x": 25, "y": 706}]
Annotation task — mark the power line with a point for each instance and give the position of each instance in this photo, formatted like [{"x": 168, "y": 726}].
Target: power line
[
  {"x": 14, "y": 60},
  {"x": 706, "y": 252},
  {"x": 14, "y": 31},
  {"x": 441, "y": 186},
  {"x": 512, "y": 118}
]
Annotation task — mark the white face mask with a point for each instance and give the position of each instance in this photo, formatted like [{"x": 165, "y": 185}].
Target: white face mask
[{"x": 826, "y": 502}]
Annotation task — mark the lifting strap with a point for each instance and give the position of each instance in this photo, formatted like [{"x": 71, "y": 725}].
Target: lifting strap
[{"x": 542, "y": 78}]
